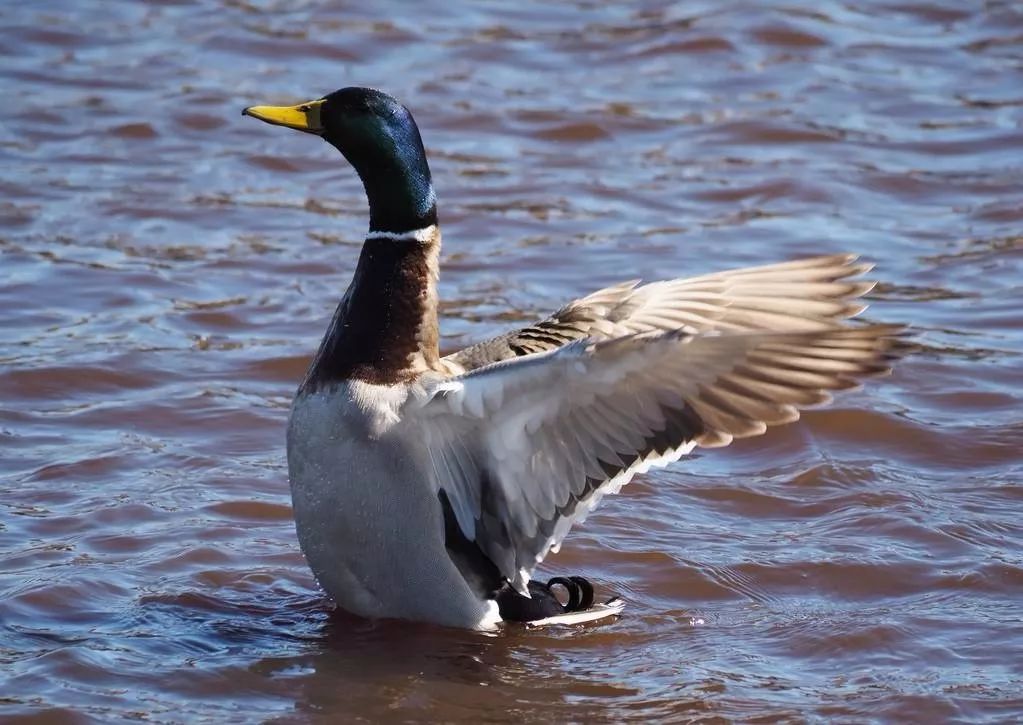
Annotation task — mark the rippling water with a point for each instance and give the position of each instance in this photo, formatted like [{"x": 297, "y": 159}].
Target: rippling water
[{"x": 168, "y": 266}]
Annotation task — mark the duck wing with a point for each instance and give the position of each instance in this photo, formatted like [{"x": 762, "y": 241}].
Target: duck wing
[
  {"x": 523, "y": 449},
  {"x": 799, "y": 295}
]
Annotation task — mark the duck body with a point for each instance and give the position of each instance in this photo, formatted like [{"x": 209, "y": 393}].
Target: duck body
[
  {"x": 428, "y": 488},
  {"x": 356, "y": 485}
]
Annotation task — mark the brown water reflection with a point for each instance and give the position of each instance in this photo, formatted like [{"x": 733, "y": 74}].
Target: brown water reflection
[{"x": 168, "y": 268}]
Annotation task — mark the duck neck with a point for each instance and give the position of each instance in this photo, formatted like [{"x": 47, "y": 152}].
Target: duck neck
[
  {"x": 400, "y": 198},
  {"x": 385, "y": 328},
  {"x": 397, "y": 179}
]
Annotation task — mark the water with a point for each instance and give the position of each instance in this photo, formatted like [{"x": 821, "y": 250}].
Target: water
[{"x": 168, "y": 266}]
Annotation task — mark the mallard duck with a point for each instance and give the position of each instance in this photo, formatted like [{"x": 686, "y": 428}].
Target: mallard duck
[{"x": 429, "y": 488}]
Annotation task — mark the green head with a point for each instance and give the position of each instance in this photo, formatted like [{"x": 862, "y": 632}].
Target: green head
[{"x": 381, "y": 140}]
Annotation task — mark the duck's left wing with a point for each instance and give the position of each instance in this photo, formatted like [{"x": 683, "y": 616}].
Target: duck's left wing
[
  {"x": 523, "y": 449},
  {"x": 803, "y": 294}
]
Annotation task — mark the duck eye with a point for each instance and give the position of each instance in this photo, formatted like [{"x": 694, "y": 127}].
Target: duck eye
[{"x": 304, "y": 108}]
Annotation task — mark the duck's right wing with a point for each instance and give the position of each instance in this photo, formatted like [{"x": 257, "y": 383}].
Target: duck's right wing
[
  {"x": 804, "y": 294},
  {"x": 523, "y": 449}
]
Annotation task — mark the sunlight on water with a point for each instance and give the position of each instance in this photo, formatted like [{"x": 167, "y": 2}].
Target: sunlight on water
[{"x": 168, "y": 268}]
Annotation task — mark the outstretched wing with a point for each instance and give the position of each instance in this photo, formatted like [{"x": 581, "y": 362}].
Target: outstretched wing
[
  {"x": 525, "y": 448},
  {"x": 799, "y": 295}
]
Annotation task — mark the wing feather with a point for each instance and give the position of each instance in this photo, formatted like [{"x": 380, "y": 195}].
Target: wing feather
[
  {"x": 806, "y": 294},
  {"x": 529, "y": 446}
]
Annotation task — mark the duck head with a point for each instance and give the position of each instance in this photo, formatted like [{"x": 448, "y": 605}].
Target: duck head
[{"x": 381, "y": 140}]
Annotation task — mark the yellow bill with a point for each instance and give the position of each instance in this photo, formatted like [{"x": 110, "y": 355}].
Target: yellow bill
[{"x": 303, "y": 117}]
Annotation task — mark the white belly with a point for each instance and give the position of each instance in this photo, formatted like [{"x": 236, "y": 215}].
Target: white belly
[{"x": 368, "y": 518}]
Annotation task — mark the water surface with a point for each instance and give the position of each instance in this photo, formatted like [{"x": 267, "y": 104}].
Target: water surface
[{"x": 168, "y": 267}]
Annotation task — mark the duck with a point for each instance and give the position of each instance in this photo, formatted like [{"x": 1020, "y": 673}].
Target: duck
[{"x": 429, "y": 487}]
